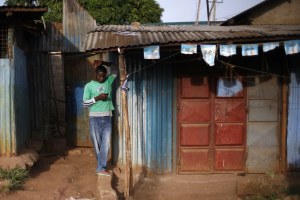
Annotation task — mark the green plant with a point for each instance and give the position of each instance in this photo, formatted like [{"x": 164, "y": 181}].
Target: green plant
[
  {"x": 292, "y": 190},
  {"x": 270, "y": 196},
  {"x": 12, "y": 179}
]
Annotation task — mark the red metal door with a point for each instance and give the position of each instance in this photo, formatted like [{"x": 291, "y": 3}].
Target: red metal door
[{"x": 211, "y": 129}]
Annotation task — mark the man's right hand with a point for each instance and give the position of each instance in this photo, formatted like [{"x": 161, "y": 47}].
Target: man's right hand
[{"x": 101, "y": 97}]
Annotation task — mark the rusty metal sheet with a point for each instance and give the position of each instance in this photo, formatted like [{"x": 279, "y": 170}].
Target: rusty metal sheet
[
  {"x": 229, "y": 133},
  {"x": 194, "y": 87},
  {"x": 194, "y": 160},
  {"x": 77, "y": 22},
  {"x": 229, "y": 159},
  {"x": 230, "y": 110},
  {"x": 110, "y": 37},
  {"x": 195, "y": 111},
  {"x": 210, "y": 124},
  {"x": 194, "y": 134}
]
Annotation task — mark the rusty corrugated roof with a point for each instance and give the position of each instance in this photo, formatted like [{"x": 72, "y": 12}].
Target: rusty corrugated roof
[
  {"x": 23, "y": 12},
  {"x": 110, "y": 37}
]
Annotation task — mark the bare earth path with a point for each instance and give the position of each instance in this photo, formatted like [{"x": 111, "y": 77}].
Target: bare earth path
[
  {"x": 60, "y": 177},
  {"x": 72, "y": 177}
]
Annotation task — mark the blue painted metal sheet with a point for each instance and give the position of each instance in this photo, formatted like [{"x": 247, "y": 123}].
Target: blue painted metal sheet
[
  {"x": 293, "y": 134},
  {"x": 150, "y": 116},
  {"x": 14, "y": 104},
  {"x": 7, "y": 126},
  {"x": 21, "y": 100},
  {"x": 77, "y": 120}
]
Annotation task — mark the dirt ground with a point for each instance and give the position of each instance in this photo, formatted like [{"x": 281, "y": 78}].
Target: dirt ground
[{"x": 72, "y": 176}]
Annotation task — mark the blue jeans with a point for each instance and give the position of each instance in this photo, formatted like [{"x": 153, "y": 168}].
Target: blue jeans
[{"x": 100, "y": 132}]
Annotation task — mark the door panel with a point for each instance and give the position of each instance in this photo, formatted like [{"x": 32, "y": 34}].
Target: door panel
[
  {"x": 194, "y": 87},
  {"x": 195, "y": 160},
  {"x": 229, "y": 134},
  {"x": 195, "y": 111},
  {"x": 230, "y": 110},
  {"x": 229, "y": 159},
  {"x": 194, "y": 134},
  {"x": 263, "y": 127},
  {"x": 211, "y": 129}
]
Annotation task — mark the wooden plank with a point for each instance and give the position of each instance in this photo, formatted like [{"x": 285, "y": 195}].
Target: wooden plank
[
  {"x": 128, "y": 161},
  {"x": 283, "y": 127}
]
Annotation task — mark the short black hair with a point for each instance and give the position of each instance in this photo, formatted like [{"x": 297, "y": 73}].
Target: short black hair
[{"x": 101, "y": 68}]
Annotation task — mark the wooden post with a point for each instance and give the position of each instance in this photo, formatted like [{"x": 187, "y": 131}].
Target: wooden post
[
  {"x": 128, "y": 162},
  {"x": 283, "y": 127}
]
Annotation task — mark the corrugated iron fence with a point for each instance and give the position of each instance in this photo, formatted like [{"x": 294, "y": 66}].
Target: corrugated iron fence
[
  {"x": 150, "y": 114},
  {"x": 14, "y": 101},
  {"x": 293, "y": 135}
]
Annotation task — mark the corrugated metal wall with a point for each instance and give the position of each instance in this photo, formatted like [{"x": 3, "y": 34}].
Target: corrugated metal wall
[
  {"x": 293, "y": 135},
  {"x": 77, "y": 73},
  {"x": 39, "y": 94},
  {"x": 77, "y": 22},
  {"x": 14, "y": 103},
  {"x": 150, "y": 114},
  {"x": 51, "y": 41},
  {"x": 21, "y": 100},
  {"x": 7, "y": 122}
]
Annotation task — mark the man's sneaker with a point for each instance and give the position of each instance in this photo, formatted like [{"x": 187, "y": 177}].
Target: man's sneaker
[{"x": 103, "y": 173}]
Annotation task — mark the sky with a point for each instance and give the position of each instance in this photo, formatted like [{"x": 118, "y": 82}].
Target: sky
[{"x": 185, "y": 10}]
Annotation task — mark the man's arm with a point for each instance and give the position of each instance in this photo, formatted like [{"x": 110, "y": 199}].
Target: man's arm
[{"x": 92, "y": 101}]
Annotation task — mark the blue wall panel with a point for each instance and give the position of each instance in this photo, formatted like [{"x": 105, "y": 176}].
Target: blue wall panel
[
  {"x": 293, "y": 135},
  {"x": 150, "y": 115},
  {"x": 21, "y": 99},
  {"x": 14, "y": 104},
  {"x": 7, "y": 130}
]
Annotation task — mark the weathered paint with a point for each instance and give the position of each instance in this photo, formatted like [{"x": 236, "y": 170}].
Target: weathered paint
[
  {"x": 7, "y": 130},
  {"x": 293, "y": 135},
  {"x": 150, "y": 114},
  {"x": 211, "y": 128},
  {"x": 14, "y": 103},
  {"x": 20, "y": 100},
  {"x": 77, "y": 73},
  {"x": 39, "y": 94},
  {"x": 263, "y": 125},
  {"x": 51, "y": 41},
  {"x": 77, "y": 22}
]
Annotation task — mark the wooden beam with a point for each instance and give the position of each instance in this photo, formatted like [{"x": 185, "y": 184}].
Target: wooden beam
[
  {"x": 128, "y": 161},
  {"x": 283, "y": 127}
]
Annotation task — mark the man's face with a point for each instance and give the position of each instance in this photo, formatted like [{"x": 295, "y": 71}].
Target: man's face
[{"x": 100, "y": 76}]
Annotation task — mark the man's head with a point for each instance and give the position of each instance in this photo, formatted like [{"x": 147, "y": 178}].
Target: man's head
[{"x": 101, "y": 73}]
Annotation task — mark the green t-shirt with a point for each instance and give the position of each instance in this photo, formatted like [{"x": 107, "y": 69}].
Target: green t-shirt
[{"x": 94, "y": 88}]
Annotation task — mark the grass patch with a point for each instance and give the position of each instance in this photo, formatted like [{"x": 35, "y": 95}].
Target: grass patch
[
  {"x": 271, "y": 196},
  {"x": 12, "y": 179},
  {"x": 293, "y": 190}
]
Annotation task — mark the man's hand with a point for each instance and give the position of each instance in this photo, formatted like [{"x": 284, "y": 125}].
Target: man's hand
[{"x": 101, "y": 97}]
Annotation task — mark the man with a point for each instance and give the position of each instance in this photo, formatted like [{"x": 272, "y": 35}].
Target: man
[{"x": 97, "y": 96}]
